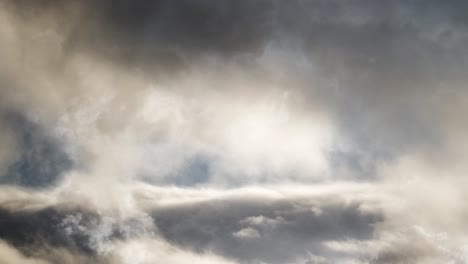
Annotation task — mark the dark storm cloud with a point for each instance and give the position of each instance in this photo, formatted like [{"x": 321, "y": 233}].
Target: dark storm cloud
[
  {"x": 243, "y": 226},
  {"x": 157, "y": 35},
  {"x": 39, "y": 229},
  {"x": 257, "y": 231},
  {"x": 61, "y": 235},
  {"x": 146, "y": 32}
]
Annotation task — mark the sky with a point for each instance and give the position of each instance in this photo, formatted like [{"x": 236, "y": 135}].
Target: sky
[{"x": 232, "y": 132}]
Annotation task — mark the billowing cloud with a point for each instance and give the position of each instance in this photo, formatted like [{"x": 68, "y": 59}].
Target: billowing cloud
[{"x": 139, "y": 132}]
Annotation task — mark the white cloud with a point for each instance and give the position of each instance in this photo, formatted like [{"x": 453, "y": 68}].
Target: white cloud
[{"x": 247, "y": 233}]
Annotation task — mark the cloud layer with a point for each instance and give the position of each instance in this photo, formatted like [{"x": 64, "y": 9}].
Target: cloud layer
[{"x": 140, "y": 132}]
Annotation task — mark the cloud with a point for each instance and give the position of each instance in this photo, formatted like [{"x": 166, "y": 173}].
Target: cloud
[
  {"x": 232, "y": 131},
  {"x": 40, "y": 161},
  {"x": 413, "y": 245},
  {"x": 242, "y": 225},
  {"x": 261, "y": 228},
  {"x": 9, "y": 255},
  {"x": 247, "y": 233},
  {"x": 150, "y": 251}
]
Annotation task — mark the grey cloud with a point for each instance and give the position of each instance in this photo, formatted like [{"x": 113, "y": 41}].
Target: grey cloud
[
  {"x": 355, "y": 32},
  {"x": 256, "y": 231},
  {"x": 287, "y": 229},
  {"x": 59, "y": 235},
  {"x": 104, "y": 102},
  {"x": 29, "y": 231}
]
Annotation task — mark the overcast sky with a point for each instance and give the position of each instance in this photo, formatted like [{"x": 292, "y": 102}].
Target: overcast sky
[{"x": 232, "y": 132}]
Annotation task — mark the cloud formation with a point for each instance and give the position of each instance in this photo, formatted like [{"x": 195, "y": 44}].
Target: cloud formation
[{"x": 140, "y": 132}]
